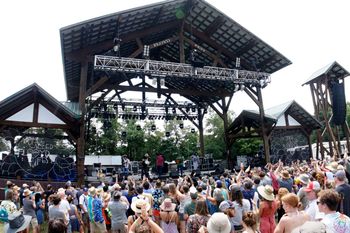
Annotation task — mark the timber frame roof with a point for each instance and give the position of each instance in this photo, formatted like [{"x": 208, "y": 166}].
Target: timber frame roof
[
  {"x": 167, "y": 27},
  {"x": 333, "y": 71},
  {"x": 248, "y": 123},
  {"x": 34, "y": 94}
]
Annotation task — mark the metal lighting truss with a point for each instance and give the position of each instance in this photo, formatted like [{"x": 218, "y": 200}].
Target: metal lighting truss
[{"x": 171, "y": 69}]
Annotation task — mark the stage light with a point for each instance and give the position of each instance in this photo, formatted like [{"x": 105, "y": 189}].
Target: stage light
[
  {"x": 238, "y": 62},
  {"x": 193, "y": 130},
  {"x": 138, "y": 127},
  {"x": 193, "y": 109},
  {"x": 205, "y": 111},
  {"x": 135, "y": 108},
  {"x": 146, "y": 51},
  {"x": 181, "y": 126},
  {"x": 153, "y": 127},
  {"x": 174, "y": 110},
  {"x": 123, "y": 134},
  {"x": 167, "y": 134}
]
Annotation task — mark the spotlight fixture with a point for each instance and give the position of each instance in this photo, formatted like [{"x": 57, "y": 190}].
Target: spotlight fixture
[
  {"x": 205, "y": 111},
  {"x": 124, "y": 134},
  {"x": 138, "y": 127},
  {"x": 181, "y": 126},
  {"x": 116, "y": 44},
  {"x": 134, "y": 108},
  {"x": 153, "y": 127},
  {"x": 193, "y": 109},
  {"x": 193, "y": 130},
  {"x": 167, "y": 134},
  {"x": 174, "y": 110}
]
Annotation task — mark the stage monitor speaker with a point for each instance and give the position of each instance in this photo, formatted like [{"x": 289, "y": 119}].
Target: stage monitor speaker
[
  {"x": 338, "y": 103},
  {"x": 97, "y": 165}
]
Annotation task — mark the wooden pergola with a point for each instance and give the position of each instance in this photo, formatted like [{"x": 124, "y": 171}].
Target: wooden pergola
[{"x": 171, "y": 31}]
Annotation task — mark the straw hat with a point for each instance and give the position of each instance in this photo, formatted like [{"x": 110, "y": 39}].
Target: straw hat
[
  {"x": 285, "y": 174},
  {"x": 138, "y": 203},
  {"x": 266, "y": 192},
  {"x": 219, "y": 223},
  {"x": 26, "y": 192},
  {"x": 99, "y": 191},
  {"x": 304, "y": 178},
  {"x": 333, "y": 166},
  {"x": 167, "y": 205}
]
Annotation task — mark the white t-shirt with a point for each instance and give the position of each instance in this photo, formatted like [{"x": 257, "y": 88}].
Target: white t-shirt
[
  {"x": 337, "y": 223},
  {"x": 313, "y": 211},
  {"x": 83, "y": 202}
]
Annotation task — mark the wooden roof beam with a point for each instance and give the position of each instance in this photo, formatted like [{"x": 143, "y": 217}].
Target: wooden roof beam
[
  {"x": 204, "y": 37},
  {"x": 81, "y": 54},
  {"x": 217, "y": 23}
]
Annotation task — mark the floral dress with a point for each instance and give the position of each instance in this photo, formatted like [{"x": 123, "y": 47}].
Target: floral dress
[{"x": 195, "y": 222}]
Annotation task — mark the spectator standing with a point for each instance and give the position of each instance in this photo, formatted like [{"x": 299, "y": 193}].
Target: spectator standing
[
  {"x": 267, "y": 209},
  {"x": 83, "y": 208},
  {"x": 97, "y": 223},
  {"x": 200, "y": 218},
  {"x": 344, "y": 191},
  {"x": 293, "y": 217},
  {"x": 335, "y": 221},
  {"x": 118, "y": 207},
  {"x": 311, "y": 209},
  {"x": 168, "y": 216},
  {"x": 29, "y": 208}
]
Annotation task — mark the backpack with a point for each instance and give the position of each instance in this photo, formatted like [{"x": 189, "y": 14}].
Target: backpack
[{"x": 3, "y": 215}]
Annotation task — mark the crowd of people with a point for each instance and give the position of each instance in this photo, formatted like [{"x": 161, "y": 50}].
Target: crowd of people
[{"x": 311, "y": 196}]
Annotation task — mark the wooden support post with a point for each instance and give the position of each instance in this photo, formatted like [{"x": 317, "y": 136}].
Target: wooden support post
[
  {"x": 263, "y": 128},
  {"x": 200, "y": 129},
  {"x": 226, "y": 136},
  {"x": 81, "y": 140}
]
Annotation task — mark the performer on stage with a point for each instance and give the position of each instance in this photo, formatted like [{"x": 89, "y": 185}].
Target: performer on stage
[
  {"x": 126, "y": 164},
  {"x": 145, "y": 166}
]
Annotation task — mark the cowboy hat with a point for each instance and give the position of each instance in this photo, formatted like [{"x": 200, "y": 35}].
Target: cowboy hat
[
  {"x": 167, "y": 205},
  {"x": 138, "y": 203},
  {"x": 266, "y": 192},
  {"x": 219, "y": 223},
  {"x": 17, "y": 222}
]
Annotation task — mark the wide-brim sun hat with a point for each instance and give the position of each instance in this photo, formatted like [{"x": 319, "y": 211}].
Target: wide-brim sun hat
[
  {"x": 266, "y": 192},
  {"x": 137, "y": 205},
  {"x": 26, "y": 192},
  {"x": 167, "y": 205},
  {"x": 17, "y": 222},
  {"x": 332, "y": 166},
  {"x": 219, "y": 223},
  {"x": 304, "y": 178}
]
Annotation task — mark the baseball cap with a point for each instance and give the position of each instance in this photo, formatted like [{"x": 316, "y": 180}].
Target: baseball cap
[
  {"x": 313, "y": 186},
  {"x": 340, "y": 174},
  {"x": 224, "y": 205}
]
